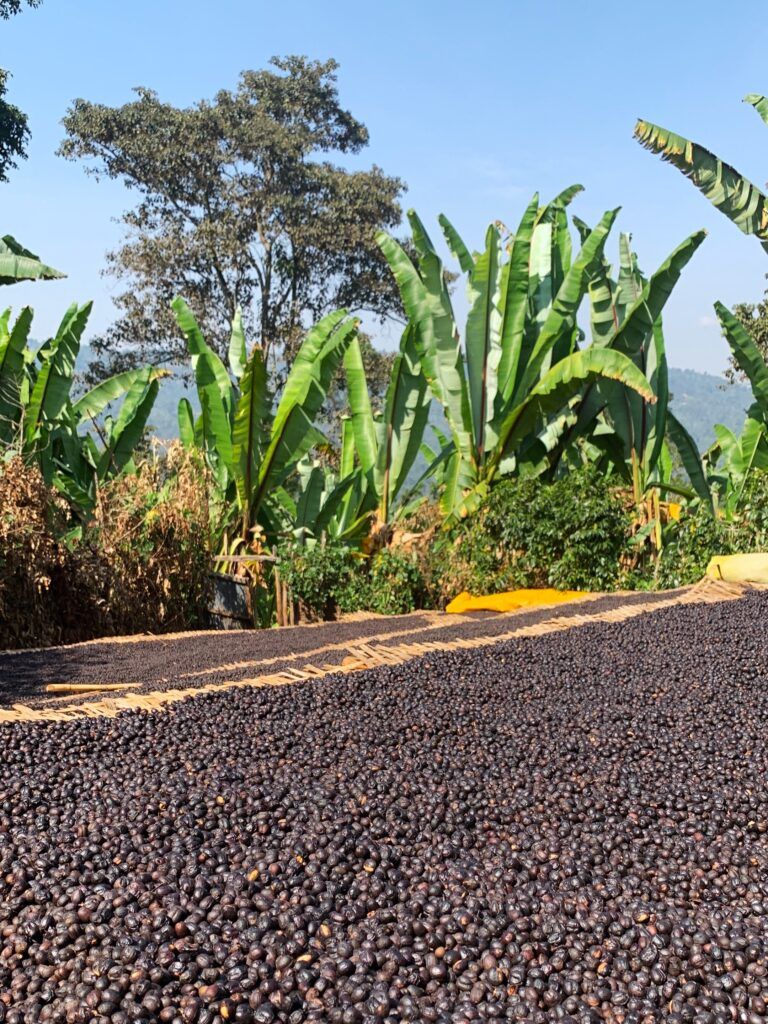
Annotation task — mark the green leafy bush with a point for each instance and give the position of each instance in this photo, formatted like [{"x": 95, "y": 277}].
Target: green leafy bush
[
  {"x": 317, "y": 576},
  {"x": 697, "y": 537},
  {"x": 328, "y": 578},
  {"x": 569, "y": 534},
  {"x": 394, "y": 584},
  {"x": 572, "y": 534}
]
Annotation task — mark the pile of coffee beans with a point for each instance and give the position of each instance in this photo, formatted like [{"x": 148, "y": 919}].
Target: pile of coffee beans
[{"x": 571, "y": 827}]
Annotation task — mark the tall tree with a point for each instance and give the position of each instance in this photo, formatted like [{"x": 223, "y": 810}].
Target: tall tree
[
  {"x": 14, "y": 127},
  {"x": 241, "y": 205}
]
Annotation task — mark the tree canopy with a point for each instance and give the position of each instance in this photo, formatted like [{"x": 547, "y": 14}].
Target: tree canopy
[
  {"x": 239, "y": 204},
  {"x": 14, "y": 127},
  {"x": 14, "y": 131},
  {"x": 10, "y": 7}
]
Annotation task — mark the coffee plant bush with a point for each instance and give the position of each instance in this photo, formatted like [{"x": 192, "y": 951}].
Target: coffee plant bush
[
  {"x": 690, "y": 543},
  {"x": 573, "y": 534},
  {"x": 328, "y": 579}
]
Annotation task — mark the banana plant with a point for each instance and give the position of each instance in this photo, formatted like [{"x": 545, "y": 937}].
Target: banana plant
[
  {"x": 733, "y": 194},
  {"x": 93, "y": 446},
  {"x": 732, "y": 460},
  {"x": 520, "y": 365},
  {"x": 325, "y": 504},
  {"x": 628, "y": 433},
  {"x": 387, "y": 446},
  {"x": 720, "y": 476},
  {"x": 250, "y": 448},
  {"x": 19, "y": 264},
  {"x": 75, "y": 446}
]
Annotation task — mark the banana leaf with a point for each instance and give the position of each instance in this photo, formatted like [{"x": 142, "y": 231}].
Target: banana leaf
[
  {"x": 727, "y": 189},
  {"x": 186, "y": 419},
  {"x": 604, "y": 308},
  {"x": 217, "y": 425},
  {"x": 562, "y": 200},
  {"x": 559, "y": 385},
  {"x": 750, "y": 453},
  {"x": 312, "y": 484},
  {"x": 689, "y": 456},
  {"x": 406, "y": 413},
  {"x": 634, "y": 334},
  {"x": 456, "y": 245},
  {"x": 129, "y": 426},
  {"x": 483, "y": 338},
  {"x": 562, "y": 314},
  {"x": 19, "y": 264},
  {"x": 238, "y": 356},
  {"x": 93, "y": 402},
  {"x": 638, "y": 321},
  {"x": 515, "y": 305},
  {"x": 310, "y": 374},
  {"x": 347, "y": 448},
  {"x": 199, "y": 349},
  {"x": 760, "y": 103},
  {"x": 215, "y": 393},
  {"x": 362, "y": 422},
  {"x": 13, "y": 344},
  {"x": 51, "y": 390},
  {"x": 654, "y": 418},
  {"x": 747, "y": 356},
  {"x": 631, "y": 281},
  {"x": 250, "y": 431},
  {"x": 427, "y": 303},
  {"x": 293, "y": 430}
]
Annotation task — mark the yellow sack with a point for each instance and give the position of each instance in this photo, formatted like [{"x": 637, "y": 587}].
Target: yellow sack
[
  {"x": 510, "y": 600},
  {"x": 739, "y": 568}
]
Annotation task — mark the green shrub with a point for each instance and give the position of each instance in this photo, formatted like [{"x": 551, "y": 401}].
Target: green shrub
[
  {"x": 395, "y": 584},
  {"x": 318, "y": 576},
  {"x": 329, "y": 578},
  {"x": 697, "y": 537},
  {"x": 569, "y": 534},
  {"x": 572, "y": 534}
]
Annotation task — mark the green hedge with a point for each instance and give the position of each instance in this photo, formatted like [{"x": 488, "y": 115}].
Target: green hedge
[
  {"x": 330, "y": 578},
  {"x": 573, "y": 534},
  {"x": 697, "y": 537}
]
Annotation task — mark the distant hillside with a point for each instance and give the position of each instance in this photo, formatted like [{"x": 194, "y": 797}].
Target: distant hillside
[
  {"x": 699, "y": 400},
  {"x": 164, "y": 418}
]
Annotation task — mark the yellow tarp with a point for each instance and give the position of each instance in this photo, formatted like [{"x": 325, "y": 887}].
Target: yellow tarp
[
  {"x": 739, "y": 568},
  {"x": 510, "y": 600}
]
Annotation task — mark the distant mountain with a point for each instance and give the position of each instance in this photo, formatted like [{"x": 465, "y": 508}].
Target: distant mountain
[
  {"x": 164, "y": 418},
  {"x": 699, "y": 401}
]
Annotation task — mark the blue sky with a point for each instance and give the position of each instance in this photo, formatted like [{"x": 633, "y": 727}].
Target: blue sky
[{"x": 475, "y": 106}]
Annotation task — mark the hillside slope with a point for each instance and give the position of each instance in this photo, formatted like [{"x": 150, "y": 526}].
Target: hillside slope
[{"x": 700, "y": 400}]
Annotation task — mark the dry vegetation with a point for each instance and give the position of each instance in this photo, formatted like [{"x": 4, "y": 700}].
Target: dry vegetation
[{"x": 138, "y": 564}]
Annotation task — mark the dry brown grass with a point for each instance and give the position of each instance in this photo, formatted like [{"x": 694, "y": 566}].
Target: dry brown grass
[
  {"x": 32, "y": 562},
  {"x": 140, "y": 563}
]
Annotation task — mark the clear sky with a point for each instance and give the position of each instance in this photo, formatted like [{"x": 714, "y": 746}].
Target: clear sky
[{"x": 475, "y": 105}]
